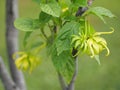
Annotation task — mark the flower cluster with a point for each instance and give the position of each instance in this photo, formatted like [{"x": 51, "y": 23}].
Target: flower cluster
[
  {"x": 26, "y": 61},
  {"x": 88, "y": 41}
]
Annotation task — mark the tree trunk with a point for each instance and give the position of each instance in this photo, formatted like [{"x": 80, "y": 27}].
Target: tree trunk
[
  {"x": 6, "y": 79},
  {"x": 12, "y": 41}
]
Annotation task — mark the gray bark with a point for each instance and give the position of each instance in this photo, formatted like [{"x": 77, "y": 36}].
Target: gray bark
[
  {"x": 71, "y": 86},
  {"x": 62, "y": 82},
  {"x": 12, "y": 42},
  {"x": 5, "y": 77}
]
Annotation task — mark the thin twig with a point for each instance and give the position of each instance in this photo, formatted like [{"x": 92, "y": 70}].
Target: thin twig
[
  {"x": 90, "y": 2},
  {"x": 71, "y": 85},
  {"x": 62, "y": 82},
  {"x": 42, "y": 30},
  {"x": 81, "y": 10}
]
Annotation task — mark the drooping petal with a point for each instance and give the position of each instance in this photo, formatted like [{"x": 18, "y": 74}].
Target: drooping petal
[
  {"x": 16, "y": 54},
  {"x": 96, "y": 48},
  {"x": 90, "y": 42},
  {"x": 100, "y": 33},
  {"x": 74, "y": 38},
  {"x": 77, "y": 44},
  {"x": 105, "y": 46}
]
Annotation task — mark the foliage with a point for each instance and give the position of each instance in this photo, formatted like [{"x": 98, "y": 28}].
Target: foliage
[
  {"x": 27, "y": 24},
  {"x": 100, "y": 12},
  {"x": 67, "y": 32}
]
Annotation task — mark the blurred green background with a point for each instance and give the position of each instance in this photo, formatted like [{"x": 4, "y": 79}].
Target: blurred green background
[{"x": 91, "y": 76}]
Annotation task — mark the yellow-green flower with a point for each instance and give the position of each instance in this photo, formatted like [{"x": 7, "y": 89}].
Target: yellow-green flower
[
  {"x": 26, "y": 61},
  {"x": 65, "y": 9},
  {"x": 88, "y": 41}
]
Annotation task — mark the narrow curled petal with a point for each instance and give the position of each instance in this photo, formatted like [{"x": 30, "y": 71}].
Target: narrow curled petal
[
  {"x": 85, "y": 47},
  {"x": 74, "y": 38},
  {"x": 77, "y": 44},
  {"x": 26, "y": 61},
  {"x": 20, "y": 60},
  {"x": 99, "y": 39},
  {"x": 25, "y": 65},
  {"x": 105, "y": 46},
  {"x": 100, "y": 33},
  {"x": 90, "y": 42},
  {"x": 96, "y": 48},
  {"x": 16, "y": 54}
]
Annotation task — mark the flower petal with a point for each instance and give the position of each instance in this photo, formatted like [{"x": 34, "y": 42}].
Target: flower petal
[{"x": 100, "y": 33}]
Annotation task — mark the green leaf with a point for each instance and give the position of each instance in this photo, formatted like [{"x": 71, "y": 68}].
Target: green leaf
[
  {"x": 64, "y": 64},
  {"x": 51, "y": 9},
  {"x": 63, "y": 41},
  {"x": 27, "y": 35},
  {"x": 81, "y": 3},
  {"x": 40, "y": 1},
  {"x": 65, "y": 3},
  {"x": 63, "y": 45},
  {"x": 37, "y": 1},
  {"x": 44, "y": 18},
  {"x": 27, "y": 24},
  {"x": 36, "y": 44},
  {"x": 70, "y": 18},
  {"x": 100, "y": 12}
]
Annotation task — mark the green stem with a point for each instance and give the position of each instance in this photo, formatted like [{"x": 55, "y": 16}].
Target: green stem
[{"x": 42, "y": 30}]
